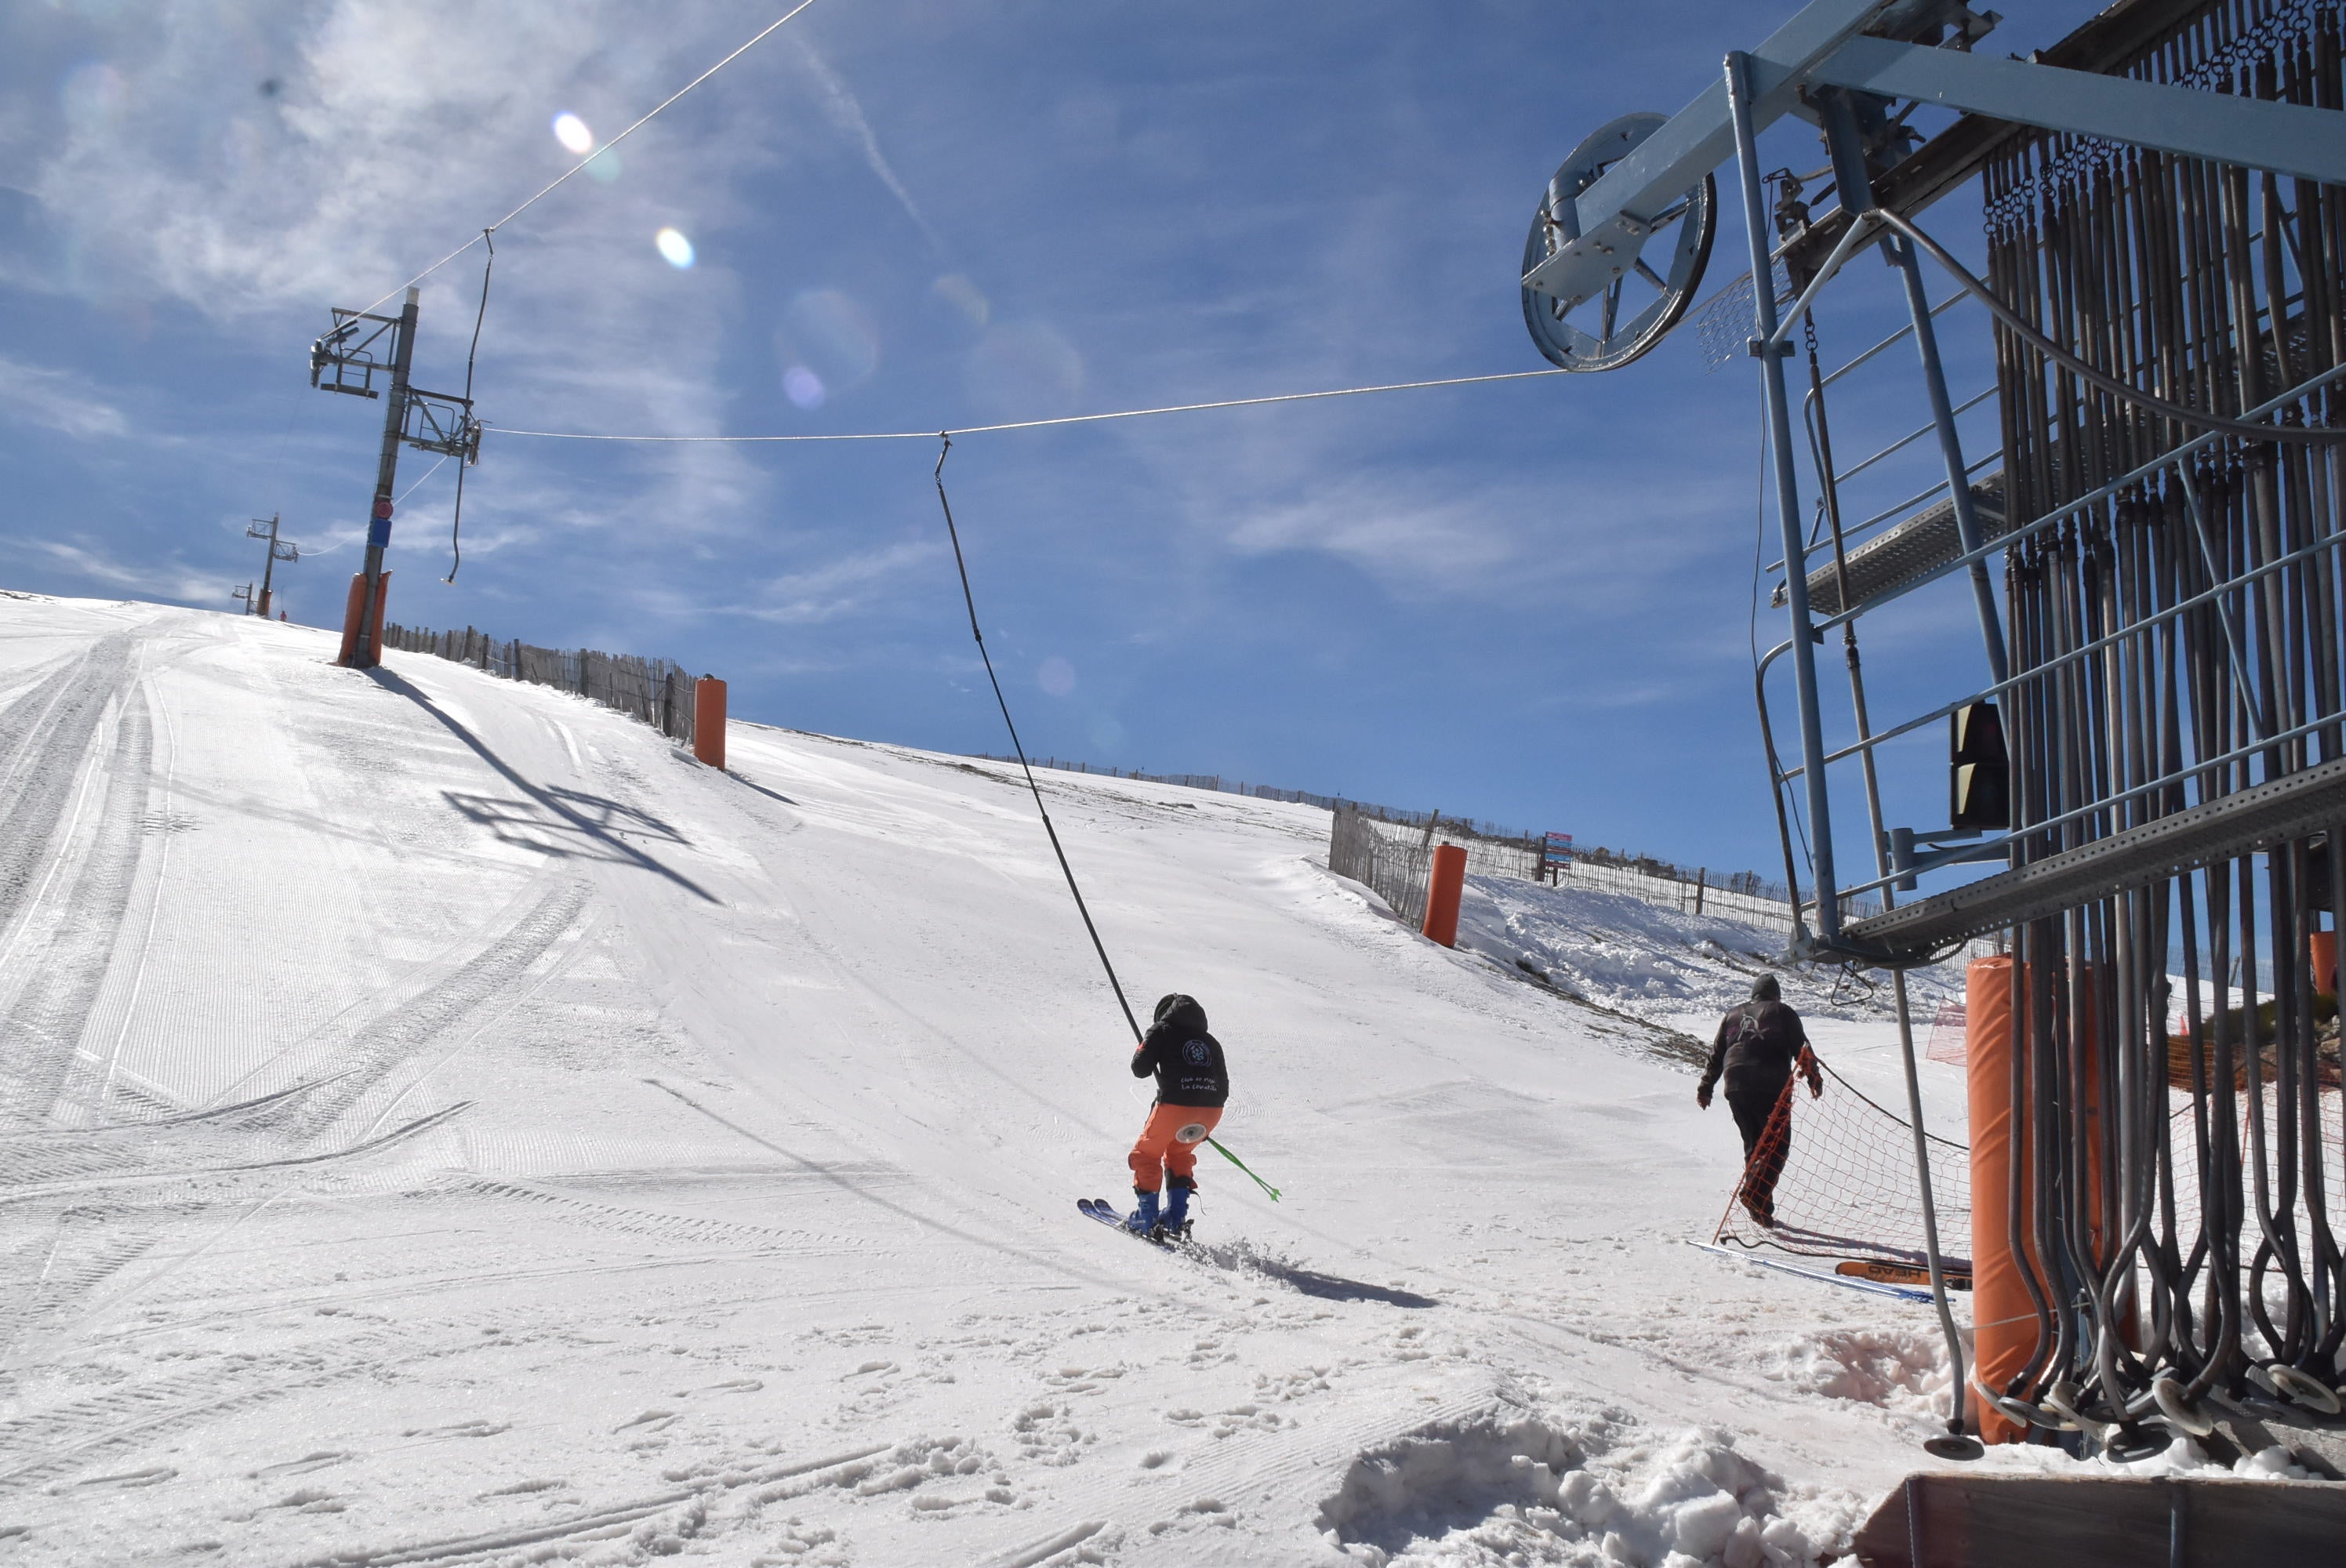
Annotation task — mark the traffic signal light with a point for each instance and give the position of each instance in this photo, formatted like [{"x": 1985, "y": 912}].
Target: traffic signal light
[{"x": 1980, "y": 773}]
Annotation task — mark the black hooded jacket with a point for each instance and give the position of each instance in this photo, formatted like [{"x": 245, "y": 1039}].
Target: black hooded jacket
[
  {"x": 1758, "y": 1044},
  {"x": 1186, "y": 1059}
]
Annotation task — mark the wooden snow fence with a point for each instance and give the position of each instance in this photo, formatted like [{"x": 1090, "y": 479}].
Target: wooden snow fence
[
  {"x": 653, "y": 691},
  {"x": 1394, "y": 869}
]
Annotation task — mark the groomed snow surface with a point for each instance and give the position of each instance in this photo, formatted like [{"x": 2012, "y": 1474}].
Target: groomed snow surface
[{"x": 440, "y": 1121}]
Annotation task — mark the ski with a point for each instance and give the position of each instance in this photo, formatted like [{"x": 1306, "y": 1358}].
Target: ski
[
  {"x": 1900, "y": 1274},
  {"x": 1100, "y": 1209},
  {"x": 1900, "y": 1292}
]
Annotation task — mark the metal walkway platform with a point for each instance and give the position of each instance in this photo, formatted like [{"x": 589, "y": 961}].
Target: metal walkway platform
[
  {"x": 2253, "y": 818},
  {"x": 1908, "y": 552}
]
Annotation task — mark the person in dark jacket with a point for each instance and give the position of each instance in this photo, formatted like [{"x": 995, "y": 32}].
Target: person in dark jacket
[
  {"x": 1759, "y": 1044},
  {"x": 1192, "y": 1086}
]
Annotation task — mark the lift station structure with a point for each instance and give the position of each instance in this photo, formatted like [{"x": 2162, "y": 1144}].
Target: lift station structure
[{"x": 2144, "y": 717}]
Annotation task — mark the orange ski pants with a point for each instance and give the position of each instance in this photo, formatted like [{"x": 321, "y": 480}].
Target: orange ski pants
[{"x": 1169, "y": 1144}]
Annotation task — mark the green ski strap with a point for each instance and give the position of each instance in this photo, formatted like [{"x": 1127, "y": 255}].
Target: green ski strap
[{"x": 1251, "y": 1176}]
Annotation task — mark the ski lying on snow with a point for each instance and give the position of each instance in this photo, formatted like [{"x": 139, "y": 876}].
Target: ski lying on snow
[
  {"x": 1900, "y": 1273},
  {"x": 1900, "y": 1292}
]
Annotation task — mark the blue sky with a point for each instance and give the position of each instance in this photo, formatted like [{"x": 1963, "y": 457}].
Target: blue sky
[{"x": 1529, "y": 601}]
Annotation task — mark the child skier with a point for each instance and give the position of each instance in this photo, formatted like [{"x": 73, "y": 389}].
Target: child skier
[{"x": 1192, "y": 1086}]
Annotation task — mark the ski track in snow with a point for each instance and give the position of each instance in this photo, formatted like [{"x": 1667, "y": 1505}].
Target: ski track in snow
[{"x": 441, "y": 1122}]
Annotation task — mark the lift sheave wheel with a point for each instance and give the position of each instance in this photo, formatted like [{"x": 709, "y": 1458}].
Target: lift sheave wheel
[{"x": 1607, "y": 329}]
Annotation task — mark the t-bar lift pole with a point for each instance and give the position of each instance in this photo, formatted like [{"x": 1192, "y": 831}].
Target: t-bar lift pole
[{"x": 386, "y": 476}]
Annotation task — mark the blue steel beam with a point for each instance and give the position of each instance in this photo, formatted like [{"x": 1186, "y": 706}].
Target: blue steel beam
[
  {"x": 2286, "y": 139},
  {"x": 1820, "y": 45},
  {"x": 1735, "y": 86},
  {"x": 1611, "y": 218}
]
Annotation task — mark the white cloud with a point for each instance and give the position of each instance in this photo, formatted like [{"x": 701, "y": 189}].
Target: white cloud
[
  {"x": 836, "y": 588},
  {"x": 55, "y": 400},
  {"x": 847, "y": 113},
  {"x": 395, "y": 132},
  {"x": 1607, "y": 543},
  {"x": 168, "y": 580},
  {"x": 1409, "y": 533}
]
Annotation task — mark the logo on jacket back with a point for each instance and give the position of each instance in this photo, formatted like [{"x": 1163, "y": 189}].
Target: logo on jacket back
[{"x": 1195, "y": 1052}]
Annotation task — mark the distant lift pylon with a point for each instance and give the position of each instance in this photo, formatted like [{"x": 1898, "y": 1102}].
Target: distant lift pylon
[
  {"x": 278, "y": 550},
  {"x": 347, "y": 359}
]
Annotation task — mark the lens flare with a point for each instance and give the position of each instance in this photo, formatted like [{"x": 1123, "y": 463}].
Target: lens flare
[
  {"x": 243, "y": 149},
  {"x": 93, "y": 95},
  {"x": 1023, "y": 370},
  {"x": 604, "y": 167},
  {"x": 1057, "y": 675},
  {"x": 955, "y": 289},
  {"x": 674, "y": 249},
  {"x": 826, "y": 331},
  {"x": 572, "y": 133},
  {"x": 1089, "y": 123},
  {"x": 804, "y": 387}
]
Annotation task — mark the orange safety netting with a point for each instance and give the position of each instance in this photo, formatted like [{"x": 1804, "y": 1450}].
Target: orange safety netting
[
  {"x": 2183, "y": 1140},
  {"x": 1835, "y": 1175},
  {"x": 1947, "y": 1035}
]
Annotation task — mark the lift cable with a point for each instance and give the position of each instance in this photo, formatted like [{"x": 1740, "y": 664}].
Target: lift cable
[
  {"x": 1064, "y": 419},
  {"x": 1020, "y": 747},
  {"x": 456, "y": 520}
]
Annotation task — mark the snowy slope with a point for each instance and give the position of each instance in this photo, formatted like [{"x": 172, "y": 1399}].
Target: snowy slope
[
  {"x": 1676, "y": 973},
  {"x": 440, "y": 1121}
]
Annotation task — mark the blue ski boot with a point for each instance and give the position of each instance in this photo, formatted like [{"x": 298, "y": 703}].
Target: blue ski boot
[
  {"x": 1142, "y": 1221},
  {"x": 1174, "y": 1224}
]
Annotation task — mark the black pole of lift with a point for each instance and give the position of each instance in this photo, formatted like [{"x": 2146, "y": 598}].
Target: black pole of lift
[
  {"x": 267, "y": 566},
  {"x": 394, "y": 418}
]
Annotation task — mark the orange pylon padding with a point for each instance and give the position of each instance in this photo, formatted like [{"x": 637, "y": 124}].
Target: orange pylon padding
[
  {"x": 2003, "y": 1315},
  {"x": 709, "y": 720},
  {"x": 1443, "y": 889},
  {"x": 2004, "y": 1334},
  {"x": 351, "y": 620}
]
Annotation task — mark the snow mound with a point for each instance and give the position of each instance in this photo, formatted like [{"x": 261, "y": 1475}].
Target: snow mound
[
  {"x": 1897, "y": 1369},
  {"x": 1446, "y": 1481},
  {"x": 1484, "y": 1494}
]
